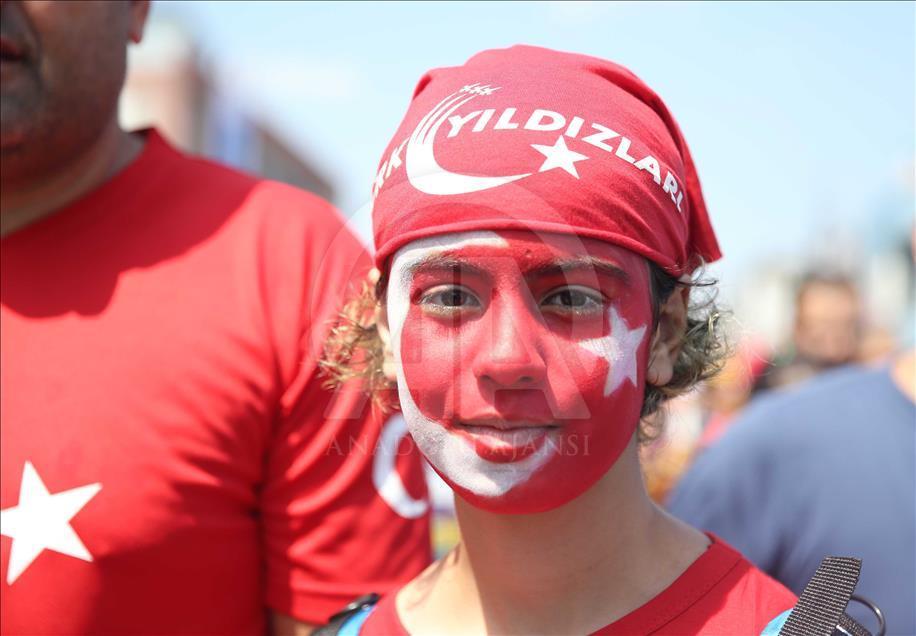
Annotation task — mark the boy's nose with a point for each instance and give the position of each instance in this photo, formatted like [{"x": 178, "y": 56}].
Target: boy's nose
[{"x": 512, "y": 359}]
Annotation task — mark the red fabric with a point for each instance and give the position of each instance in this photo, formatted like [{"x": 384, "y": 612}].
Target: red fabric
[
  {"x": 160, "y": 339},
  {"x": 626, "y": 177},
  {"x": 720, "y": 594}
]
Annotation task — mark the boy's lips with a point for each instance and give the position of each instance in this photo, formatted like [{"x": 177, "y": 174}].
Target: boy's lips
[
  {"x": 505, "y": 442},
  {"x": 505, "y": 421}
]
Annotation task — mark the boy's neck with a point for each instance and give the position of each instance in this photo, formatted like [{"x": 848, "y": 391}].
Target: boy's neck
[{"x": 569, "y": 570}]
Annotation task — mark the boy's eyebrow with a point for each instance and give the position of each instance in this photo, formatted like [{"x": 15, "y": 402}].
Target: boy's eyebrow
[
  {"x": 579, "y": 263},
  {"x": 450, "y": 263},
  {"x": 442, "y": 262}
]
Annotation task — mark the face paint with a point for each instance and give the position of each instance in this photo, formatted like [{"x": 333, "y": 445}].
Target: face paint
[{"x": 520, "y": 361}]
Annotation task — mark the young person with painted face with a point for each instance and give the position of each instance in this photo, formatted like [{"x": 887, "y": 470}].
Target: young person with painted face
[{"x": 537, "y": 220}]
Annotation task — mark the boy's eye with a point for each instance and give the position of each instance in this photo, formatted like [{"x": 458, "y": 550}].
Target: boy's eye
[
  {"x": 574, "y": 300},
  {"x": 449, "y": 297}
]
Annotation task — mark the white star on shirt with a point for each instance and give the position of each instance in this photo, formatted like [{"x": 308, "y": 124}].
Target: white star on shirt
[
  {"x": 619, "y": 349},
  {"x": 41, "y": 521},
  {"x": 559, "y": 156}
]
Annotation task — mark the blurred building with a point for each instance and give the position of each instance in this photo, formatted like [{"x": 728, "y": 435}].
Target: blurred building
[{"x": 168, "y": 87}]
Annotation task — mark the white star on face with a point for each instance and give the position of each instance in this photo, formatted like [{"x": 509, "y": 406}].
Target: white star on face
[
  {"x": 41, "y": 521},
  {"x": 619, "y": 349},
  {"x": 559, "y": 156}
]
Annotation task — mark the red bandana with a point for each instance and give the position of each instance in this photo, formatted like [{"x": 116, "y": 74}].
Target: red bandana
[{"x": 529, "y": 138}]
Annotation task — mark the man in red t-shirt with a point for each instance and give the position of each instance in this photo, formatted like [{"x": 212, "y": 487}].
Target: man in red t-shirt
[{"x": 170, "y": 462}]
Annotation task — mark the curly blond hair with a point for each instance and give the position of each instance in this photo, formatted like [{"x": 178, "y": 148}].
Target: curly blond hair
[{"x": 354, "y": 349}]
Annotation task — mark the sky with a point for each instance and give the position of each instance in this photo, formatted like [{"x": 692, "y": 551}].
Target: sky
[{"x": 800, "y": 116}]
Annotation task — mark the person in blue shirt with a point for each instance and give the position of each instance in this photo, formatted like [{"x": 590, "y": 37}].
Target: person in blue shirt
[{"x": 827, "y": 468}]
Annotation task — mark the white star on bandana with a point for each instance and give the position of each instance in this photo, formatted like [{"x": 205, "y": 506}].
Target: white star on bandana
[
  {"x": 619, "y": 349},
  {"x": 559, "y": 156}
]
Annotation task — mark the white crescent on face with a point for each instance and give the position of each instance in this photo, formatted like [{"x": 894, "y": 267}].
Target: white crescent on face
[{"x": 425, "y": 174}]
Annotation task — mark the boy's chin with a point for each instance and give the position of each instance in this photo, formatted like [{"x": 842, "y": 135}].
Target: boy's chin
[{"x": 526, "y": 499}]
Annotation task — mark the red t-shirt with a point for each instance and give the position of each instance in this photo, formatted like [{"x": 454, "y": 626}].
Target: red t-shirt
[
  {"x": 720, "y": 594},
  {"x": 170, "y": 462}
]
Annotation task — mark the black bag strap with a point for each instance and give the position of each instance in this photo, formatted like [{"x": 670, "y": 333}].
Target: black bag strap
[{"x": 820, "y": 610}]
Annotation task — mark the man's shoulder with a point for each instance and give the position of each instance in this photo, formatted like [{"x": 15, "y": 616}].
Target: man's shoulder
[
  {"x": 832, "y": 385},
  {"x": 830, "y": 397},
  {"x": 200, "y": 188},
  {"x": 208, "y": 175},
  {"x": 784, "y": 428}
]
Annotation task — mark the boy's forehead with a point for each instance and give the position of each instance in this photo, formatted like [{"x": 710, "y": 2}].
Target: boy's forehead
[{"x": 530, "y": 252}]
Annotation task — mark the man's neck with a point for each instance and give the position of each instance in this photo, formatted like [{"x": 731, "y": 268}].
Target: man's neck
[
  {"x": 25, "y": 201},
  {"x": 569, "y": 570}
]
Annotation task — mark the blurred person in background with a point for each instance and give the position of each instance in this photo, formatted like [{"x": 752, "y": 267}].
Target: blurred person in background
[
  {"x": 826, "y": 469},
  {"x": 827, "y": 333},
  {"x": 170, "y": 462}
]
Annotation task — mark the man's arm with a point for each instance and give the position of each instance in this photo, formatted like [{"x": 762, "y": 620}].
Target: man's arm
[{"x": 328, "y": 534}]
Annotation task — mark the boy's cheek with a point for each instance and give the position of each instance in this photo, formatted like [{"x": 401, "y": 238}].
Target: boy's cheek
[
  {"x": 433, "y": 369},
  {"x": 575, "y": 380}
]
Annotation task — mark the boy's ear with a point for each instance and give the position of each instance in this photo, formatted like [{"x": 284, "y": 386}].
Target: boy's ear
[
  {"x": 668, "y": 337},
  {"x": 384, "y": 334}
]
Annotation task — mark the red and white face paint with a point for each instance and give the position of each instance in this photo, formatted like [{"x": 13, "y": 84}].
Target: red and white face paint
[{"x": 520, "y": 360}]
